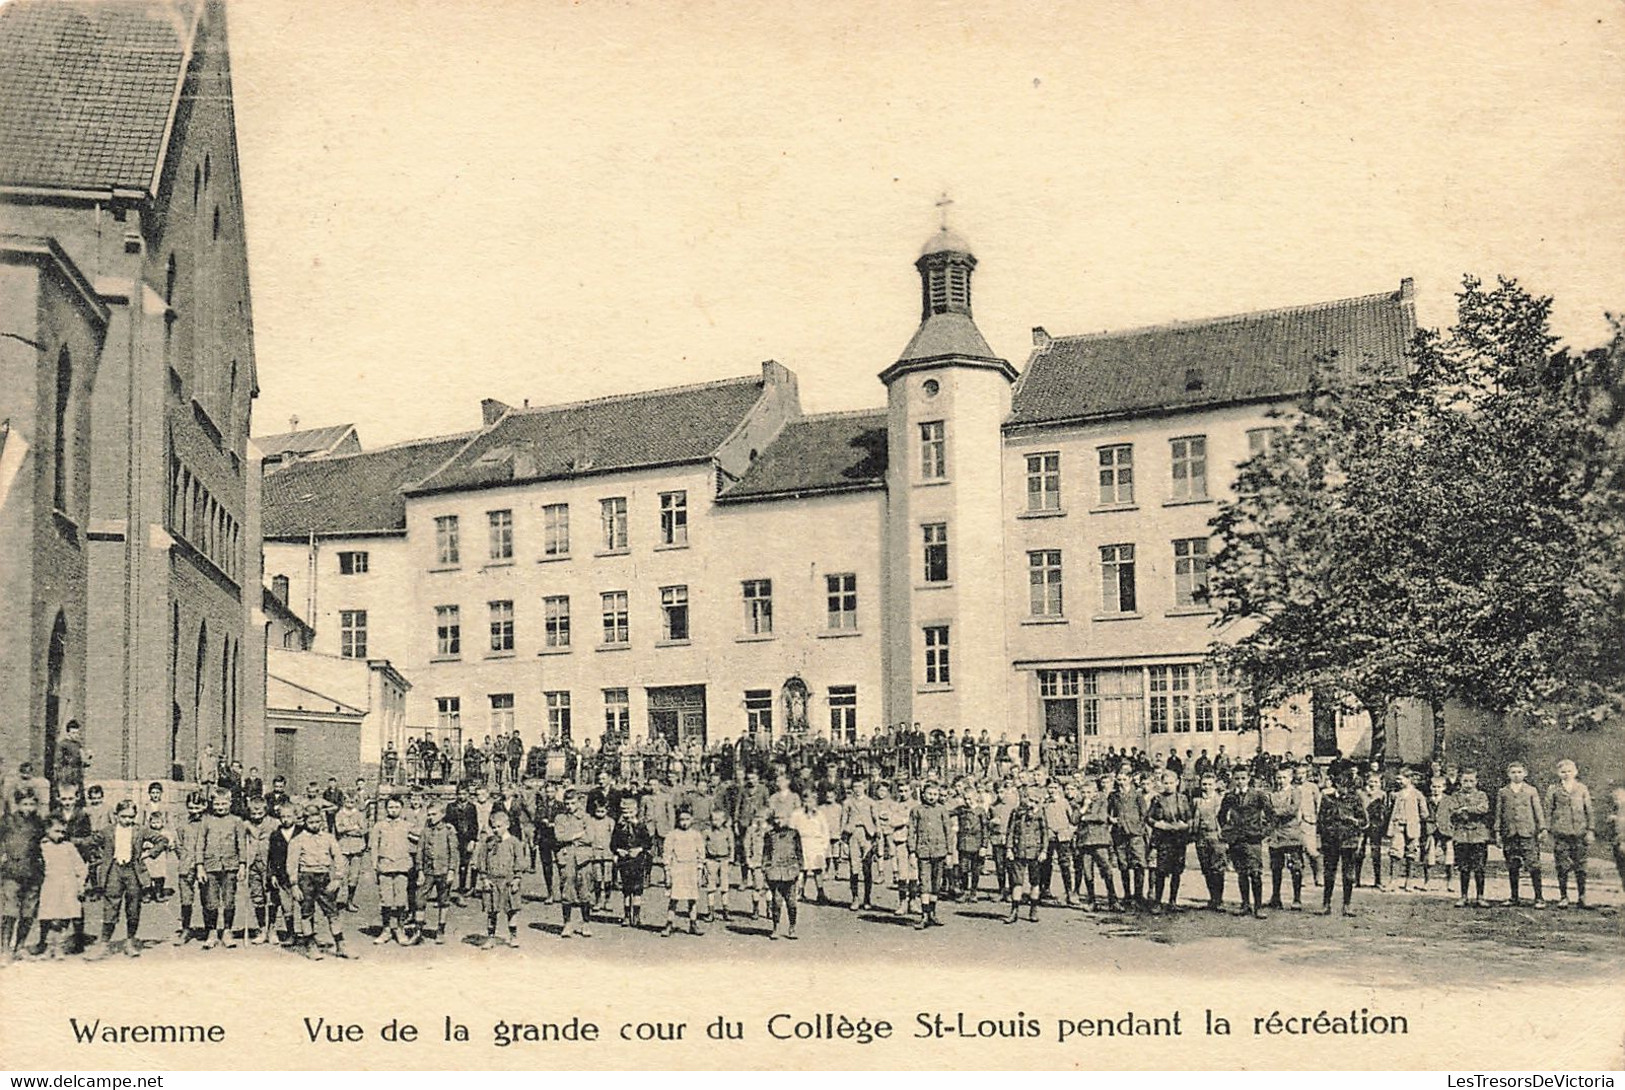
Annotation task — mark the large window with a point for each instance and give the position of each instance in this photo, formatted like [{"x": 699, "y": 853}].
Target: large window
[
  {"x": 674, "y": 613},
  {"x": 1190, "y": 467},
  {"x": 1171, "y": 705},
  {"x": 501, "y": 713},
  {"x": 616, "y": 624},
  {"x": 674, "y": 518},
  {"x": 556, "y": 529},
  {"x": 447, "y": 552},
  {"x": 1113, "y": 702},
  {"x": 352, "y": 562},
  {"x": 448, "y": 632},
  {"x": 558, "y": 716},
  {"x": 617, "y": 715},
  {"x": 843, "y": 713},
  {"x": 758, "y": 607},
  {"x": 1044, "y": 583},
  {"x": 842, "y": 592},
  {"x": 933, "y": 451},
  {"x": 353, "y": 633},
  {"x": 556, "y": 620},
  {"x": 501, "y": 626},
  {"x": 612, "y": 513},
  {"x": 1116, "y": 475},
  {"x": 448, "y": 714},
  {"x": 501, "y": 525},
  {"x": 935, "y": 539},
  {"x": 759, "y": 713},
  {"x": 936, "y": 655},
  {"x": 1190, "y": 572},
  {"x": 1044, "y": 482},
  {"x": 1117, "y": 579},
  {"x": 1217, "y": 706}
]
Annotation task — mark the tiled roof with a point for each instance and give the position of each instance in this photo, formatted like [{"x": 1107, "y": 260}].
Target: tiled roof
[
  {"x": 86, "y": 90},
  {"x": 829, "y": 452},
  {"x": 950, "y": 334},
  {"x": 304, "y": 441},
  {"x": 661, "y": 427},
  {"x": 1244, "y": 357},
  {"x": 271, "y": 604},
  {"x": 350, "y": 494}
]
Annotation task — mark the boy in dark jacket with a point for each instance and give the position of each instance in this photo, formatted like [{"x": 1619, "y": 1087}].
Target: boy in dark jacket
[
  {"x": 1341, "y": 824},
  {"x": 929, "y": 836},
  {"x": 1245, "y": 817},
  {"x": 1125, "y": 810},
  {"x": 1169, "y": 817},
  {"x": 1470, "y": 829},
  {"x": 1027, "y": 839},
  {"x": 22, "y": 869},
  {"x": 782, "y": 863}
]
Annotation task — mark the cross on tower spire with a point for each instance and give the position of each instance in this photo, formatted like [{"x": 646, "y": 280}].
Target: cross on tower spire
[{"x": 943, "y": 204}]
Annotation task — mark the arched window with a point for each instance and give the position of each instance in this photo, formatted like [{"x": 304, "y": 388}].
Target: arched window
[
  {"x": 64, "y": 449},
  {"x": 170, "y": 274},
  {"x": 197, "y": 184},
  {"x": 226, "y": 749},
  {"x": 198, "y": 676},
  {"x": 55, "y": 661}
]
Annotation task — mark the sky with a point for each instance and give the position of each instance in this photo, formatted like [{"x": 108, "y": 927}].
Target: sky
[{"x": 551, "y": 201}]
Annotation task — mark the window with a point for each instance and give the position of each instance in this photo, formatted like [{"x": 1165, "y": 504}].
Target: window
[
  {"x": 759, "y": 712},
  {"x": 1216, "y": 706},
  {"x": 556, "y": 620},
  {"x": 501, "y": 524},
  {"x": 759, "y": 607},
  {"x": 353, "y": 563},
  {"x": 501, "y": 626},
  {"x": 1190, "y": 468},
  {"x": 62, "y": 452},
  {"x": 617, "y": 715},
  {"x": 1190, "y": 572},
  {"x": 501, "y": 713},
  {"x": 1117, "y": 579},
  {"x": 445, "y": 541},
  {"x": 1113, "y": 702},
  {"x": 1171, "y": 704},
  {"x": 936, "y": 551},
  {"x": 613, "y": 512},
  {"x": 448, "y": 713},
  {"x": 674, "y": 518},
  {"x": 674, "y": 613},
  {"x": 1044, "y": 583},
  {"x": 448, "y": 631},
  {"x": 933, "y": 451},
  {"x": 843, "y": 600},
  {"x": 1058, "y": 692},
  {"x": 1260, "y": 440},
  {"x": 936, "y": 655},
  {"x": 843, "y": 713},
  {"x": 616, "y": 628},
  {"x": 353, "y": 633},
  {"x": 558, "y": 716},
  {"x": 1044, "y": 482},
  {"x": 556, "y": 529},
  {"x": 1116, "y": 475}
]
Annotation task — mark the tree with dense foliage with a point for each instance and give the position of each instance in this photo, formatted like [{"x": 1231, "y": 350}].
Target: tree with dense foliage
[{"x": 1457, "y": 531}]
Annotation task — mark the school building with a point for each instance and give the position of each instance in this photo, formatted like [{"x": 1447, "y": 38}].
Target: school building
[
  {"x": 129, "y": 524},
  {"x": 1017, "y": 550}
]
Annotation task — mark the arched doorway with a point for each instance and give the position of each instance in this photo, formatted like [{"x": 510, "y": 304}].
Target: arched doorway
[{"x": 55, "y": 660}]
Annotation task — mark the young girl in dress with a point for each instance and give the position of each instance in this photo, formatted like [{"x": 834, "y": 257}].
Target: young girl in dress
[
  {"x": 61, "y": 898},
  {"x": 684, "y": 864}
]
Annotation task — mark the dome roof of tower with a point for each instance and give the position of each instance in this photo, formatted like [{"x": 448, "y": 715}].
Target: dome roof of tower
[{"x": 945, "y": 240}]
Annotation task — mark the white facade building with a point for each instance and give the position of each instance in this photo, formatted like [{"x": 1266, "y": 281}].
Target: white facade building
[{"x": 1019, "y": 553}]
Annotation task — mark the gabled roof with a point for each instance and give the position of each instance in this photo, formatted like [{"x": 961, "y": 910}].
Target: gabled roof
[
  {"x": 348, "y": 495},
  {"x": 295, "y": 696},
  {"x": 276, "y": 607},
  {"x": 87, "y": 90},
  {"x": 1244, "y": 357},
  {"x": 818, "y": 455},
  {"x": 658, "y": 428},
  {"x": 305, "y": 442}
]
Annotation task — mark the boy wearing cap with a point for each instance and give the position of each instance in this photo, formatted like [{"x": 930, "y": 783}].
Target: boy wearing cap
[
  {"x": 314, "y": 864},
  {"x": 1570, "y": 817}
]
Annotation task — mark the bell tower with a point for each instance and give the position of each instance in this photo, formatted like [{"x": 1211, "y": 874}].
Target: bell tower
[{"x": 947, "y": 397}]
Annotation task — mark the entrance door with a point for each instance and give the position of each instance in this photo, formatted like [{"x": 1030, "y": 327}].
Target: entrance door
[
  {"x": 677, "y": 714},
  {"x": 282, "y": 753},
  {"x": 663, "y": 724}
]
